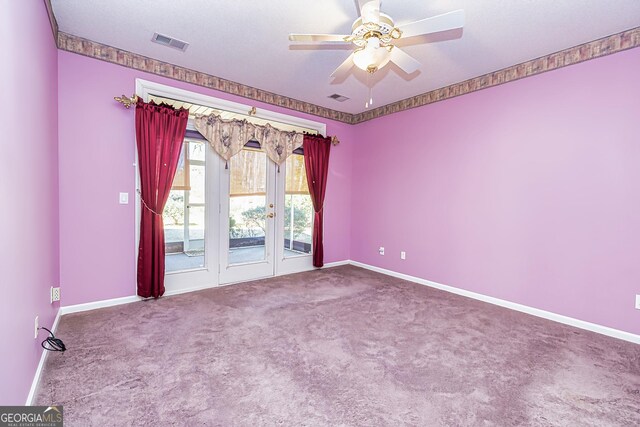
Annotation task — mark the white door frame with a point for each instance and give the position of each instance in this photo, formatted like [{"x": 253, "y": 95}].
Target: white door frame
[{"x": 209, "y": 277}]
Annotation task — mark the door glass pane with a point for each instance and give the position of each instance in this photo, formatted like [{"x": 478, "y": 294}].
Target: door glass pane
[
  {"x": 196, "y": 231},
  {"x": 196, "y": 178},
  {"x": 298, "y": 209},
  {"x": 184, "y": 213},
  {"x": 247, "y": 206},
  {"x": 197, "y": 150}
]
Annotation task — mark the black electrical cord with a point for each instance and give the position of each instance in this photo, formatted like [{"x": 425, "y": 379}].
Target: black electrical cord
[{"x": 53, "y": 343}]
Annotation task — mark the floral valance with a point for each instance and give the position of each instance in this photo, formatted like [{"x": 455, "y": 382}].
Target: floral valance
[
  {"x": 228, "y": 137},
  {"x": 276, "y": 143}
]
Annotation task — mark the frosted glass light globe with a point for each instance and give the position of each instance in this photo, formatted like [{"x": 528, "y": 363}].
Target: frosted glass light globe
[{"x": 372, "y": 57}]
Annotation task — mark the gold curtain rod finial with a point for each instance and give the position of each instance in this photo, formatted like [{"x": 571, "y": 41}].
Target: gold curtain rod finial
[
  {"x": 253, "y": 111},
  {"x": 126, "y": 101}
]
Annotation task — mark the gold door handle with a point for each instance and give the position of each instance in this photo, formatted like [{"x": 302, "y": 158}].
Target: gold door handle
[{"x": 271, "y": 215}]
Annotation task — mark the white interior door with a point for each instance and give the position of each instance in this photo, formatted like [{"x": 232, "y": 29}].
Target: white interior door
[{"x": 247, "y": 217}]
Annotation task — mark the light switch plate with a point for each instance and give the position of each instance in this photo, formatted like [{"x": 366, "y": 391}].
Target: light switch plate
[
  {"x": 638, "y": 302},
  {"x": 124, "y": 198},
  {"x": 381, "y": 250},
  {"x": 403, "y": 255}
]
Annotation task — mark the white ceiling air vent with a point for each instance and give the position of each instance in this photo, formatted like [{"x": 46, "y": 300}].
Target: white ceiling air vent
[
  {"x": 169, "y": 41},
  {"x": 338, "y": 97}
]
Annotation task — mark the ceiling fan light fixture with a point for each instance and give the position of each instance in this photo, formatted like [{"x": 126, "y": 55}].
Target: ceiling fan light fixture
[
  {"x": 373, "y": 43},
  {"x": 372, "y": 57},
  {"x": 373, "y": 35}
]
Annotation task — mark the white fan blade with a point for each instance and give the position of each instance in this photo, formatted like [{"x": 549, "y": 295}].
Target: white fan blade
[
  {"x": 435, "y": 24},
  {"x": 343, "y": 69},
  {"x": 403, "y": 60},
  {"x": 369, "y": 10},
  {"x": 318, "y": 38}
]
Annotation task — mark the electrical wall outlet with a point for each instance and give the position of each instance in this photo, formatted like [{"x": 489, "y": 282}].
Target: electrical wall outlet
[
  {"x": 55, "y": 294},
  {"x": 37, "y": 325},
  {"x": 403, "y": 255},
  {"x": 638, "y": 302},
  {"x": 381, "y": 250}
]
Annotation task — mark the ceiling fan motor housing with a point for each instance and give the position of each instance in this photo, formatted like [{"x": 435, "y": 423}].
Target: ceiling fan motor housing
[{"x": 384, "y": 30}]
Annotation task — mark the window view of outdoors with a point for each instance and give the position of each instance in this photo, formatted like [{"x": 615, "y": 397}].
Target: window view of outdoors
[
  {"x": 184, "y": 213},
  {"x": 298, "y": 209},
  {"x": 247, "y": 206}
]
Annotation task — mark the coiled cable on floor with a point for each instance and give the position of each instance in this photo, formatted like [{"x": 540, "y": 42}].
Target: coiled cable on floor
[{"x": 52, "y": 343}]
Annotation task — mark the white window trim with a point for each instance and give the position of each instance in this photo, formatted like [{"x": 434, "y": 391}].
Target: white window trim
[{"x": 145, "y": 88}]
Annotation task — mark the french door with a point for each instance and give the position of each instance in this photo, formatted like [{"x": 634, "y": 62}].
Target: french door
[
  {"x": 227, "y": 223},
  {"x": 265, "y": 217}
]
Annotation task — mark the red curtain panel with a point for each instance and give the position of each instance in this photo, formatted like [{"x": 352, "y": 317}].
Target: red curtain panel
[
  {"x": 316, "y": 161},
  {"x": 160, "y": 131}
]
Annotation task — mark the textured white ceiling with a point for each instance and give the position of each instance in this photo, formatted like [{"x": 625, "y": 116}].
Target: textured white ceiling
[{"x": 246, "y": 41}]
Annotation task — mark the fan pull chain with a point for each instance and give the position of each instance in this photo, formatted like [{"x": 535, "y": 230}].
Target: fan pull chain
[{"x": 369, "y": 103}]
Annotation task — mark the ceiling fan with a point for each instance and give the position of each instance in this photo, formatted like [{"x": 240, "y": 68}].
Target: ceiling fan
[{"x": 374, "y": 35}]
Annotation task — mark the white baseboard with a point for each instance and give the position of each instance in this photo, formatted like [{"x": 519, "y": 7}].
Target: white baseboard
[
  {"x": 186, "y": 290},
  {"x": 604, "y": 330},
  {"x": 98, "y": 304},
  {"x": 76, "y": 308},
  {"x": 337, "y": 263},
  {"x": 312, "y": 268},
  {"x": 43, "y": 358}
]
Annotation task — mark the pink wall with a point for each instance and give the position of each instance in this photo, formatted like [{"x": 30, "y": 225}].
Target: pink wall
[
  {"x": 97, "y": 148},
  {"x": 28, "y": 191},
  {"x": 527, "y": 192}
]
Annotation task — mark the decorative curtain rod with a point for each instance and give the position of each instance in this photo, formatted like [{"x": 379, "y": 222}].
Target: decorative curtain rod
[
  {"x": 126, "y": 101},
  {"x": 129, "y": 101}
]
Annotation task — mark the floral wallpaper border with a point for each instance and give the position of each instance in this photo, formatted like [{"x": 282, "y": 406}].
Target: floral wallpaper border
[
  {"x": 595, "y": 49},
  {"x": 114, "y": 55},
  {"x": 584, "y": 52}
]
